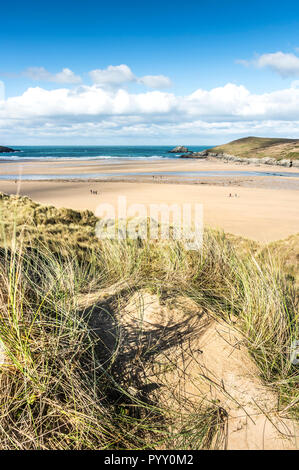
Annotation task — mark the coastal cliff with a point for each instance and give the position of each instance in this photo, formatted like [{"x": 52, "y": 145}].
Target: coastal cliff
[{"x": 254, "y": 151}]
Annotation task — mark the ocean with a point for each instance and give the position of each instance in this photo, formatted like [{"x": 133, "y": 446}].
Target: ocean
[{"x": 26, "y": 153}]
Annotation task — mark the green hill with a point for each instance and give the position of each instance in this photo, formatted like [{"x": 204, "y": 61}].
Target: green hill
[{"x": 259, "y": 147}]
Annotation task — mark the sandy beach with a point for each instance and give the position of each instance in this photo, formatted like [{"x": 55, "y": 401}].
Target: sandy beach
[{"x": 262, "y": 208}]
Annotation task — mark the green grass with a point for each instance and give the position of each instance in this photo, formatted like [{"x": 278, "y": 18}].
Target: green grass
[
  {"x": 60, "y": 389},
  {"x": 292, "y": 156},
  {"x": 259, "y": 147}
]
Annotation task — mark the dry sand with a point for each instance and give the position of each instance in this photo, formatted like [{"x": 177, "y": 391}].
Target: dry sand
[{"x": 264, "y": 210}]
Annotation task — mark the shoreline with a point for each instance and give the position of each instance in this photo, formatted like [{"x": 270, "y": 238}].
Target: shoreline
[{"x": 171, "y": 164}]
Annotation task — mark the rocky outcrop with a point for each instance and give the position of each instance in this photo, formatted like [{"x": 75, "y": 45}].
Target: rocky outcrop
[
  {"x": 179, "y": 149},
  {"x": 6, "y": 150},
  {"x": 242, "y": 160},
  {"x": 202, "y": 154}
]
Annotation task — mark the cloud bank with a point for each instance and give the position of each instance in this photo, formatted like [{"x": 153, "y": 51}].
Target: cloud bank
[{"x": 95, "y": 114}]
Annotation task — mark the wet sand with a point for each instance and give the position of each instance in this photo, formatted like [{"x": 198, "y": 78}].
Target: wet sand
[{"x": 130, "y": 166}]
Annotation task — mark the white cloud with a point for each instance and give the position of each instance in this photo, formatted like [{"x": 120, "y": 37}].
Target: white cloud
[
  {"x": 41, "y": 74},
  {"x": 112, "y": 75},
  {"x": 67, "y": 76},
  {"x": 155, "y": 81},
  {"x": 91, "y": 111},
  {"x": 285, "y": 64},
  {"x": 118, "y": 75},
  {"x": 228, "y": 100}
]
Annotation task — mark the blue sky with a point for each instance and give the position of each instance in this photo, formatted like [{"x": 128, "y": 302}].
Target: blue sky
[{"x": 193, "y": 72}]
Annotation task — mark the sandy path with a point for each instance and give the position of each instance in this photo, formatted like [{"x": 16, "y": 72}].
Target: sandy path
[{"x": 259, "y": 214}]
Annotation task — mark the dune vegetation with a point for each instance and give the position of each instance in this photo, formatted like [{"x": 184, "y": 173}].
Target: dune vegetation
[
  {"x": 128, "y": 344},
  {"x": 259, "y": 147}
]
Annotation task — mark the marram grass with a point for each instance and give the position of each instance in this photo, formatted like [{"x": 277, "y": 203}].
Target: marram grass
[{"x": 58, "y": 387}]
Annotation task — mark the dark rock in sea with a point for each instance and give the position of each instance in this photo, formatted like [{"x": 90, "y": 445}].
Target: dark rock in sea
[
  {"x": 6, "y": 150},
  {"x": 179, "y": 149},
  {"x": 202, "y": 154}
]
